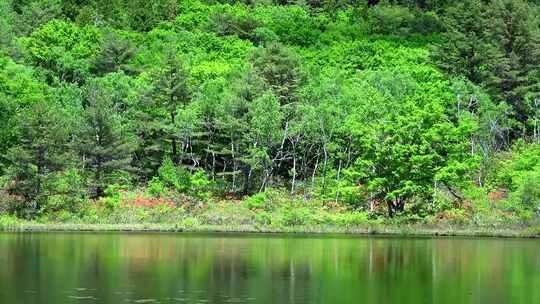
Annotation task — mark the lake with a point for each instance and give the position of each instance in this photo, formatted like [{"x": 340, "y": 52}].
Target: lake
[{"x": 117, "y": 268}]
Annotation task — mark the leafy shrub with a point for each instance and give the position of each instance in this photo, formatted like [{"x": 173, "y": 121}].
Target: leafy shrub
[
  {"x": 190, "y": 222},
  {"x": 268, "y": 200},
  {"x": 263, "y": 35},
  {"x": 452, "y": 216},
  {"x": 199, "y": 185},
  {"x": 113, "y": 196},
  {"x": 164, "y": 213},
  {"x": 64, "y": 48},
  {"x": 386, "y": 19},
  {"x": 263, "y": 218},
  {"x": 256, "y": 201},
  {"x": 10, "y": 204},
  {"x": 295, "y": 216},
  {"x": 528, "y": 190},
  {"x": 399, "y": 20},
  {"x": 350, "y": 219},
  {"x": 61, "y": 216},
  {"x": 8, "y": 221},
  {"x": 181, "y": 180},
  {"x": 92, "y": 214},
  {"x": 426, "y": 23},
  {"x": 174, "y": 177},
  {"x": 157, "y": 188},
  {"x": 16, "y": 205},
  {"x": 346, "y": 191},
  {"x": 223, "y": 23},
  {"x": 518, "y": 173},
  {"x": 68, "y": 192},
  {"x": 292, "y": 24}
]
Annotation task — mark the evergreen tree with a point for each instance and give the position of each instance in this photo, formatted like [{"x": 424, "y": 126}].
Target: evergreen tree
[
  {"x": 41, "y": 151},
  {"x": 496, "y": 45},
  {"x": 465, "y": 50},
  {"x": 281, "y": 70},
  {"x": 171, "y": 92},
  {"x": 114, "y": 56},
  {"x": 514, "y": 29},
  {"x": 107, "y": 144}
]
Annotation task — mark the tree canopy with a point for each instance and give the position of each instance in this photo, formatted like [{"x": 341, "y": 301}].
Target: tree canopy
[{"x": 361, "y": 103}]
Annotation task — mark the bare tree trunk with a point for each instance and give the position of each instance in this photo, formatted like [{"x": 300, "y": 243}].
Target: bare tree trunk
[
  {"x": 247, "y": 179},
  {"x": 314, "y": 172},
  {"x": 325, "y": 151},
  {"x": 293, "y": 169},
  {"x": 233, "y": 155},
  {"x": 174, "y": 144}
]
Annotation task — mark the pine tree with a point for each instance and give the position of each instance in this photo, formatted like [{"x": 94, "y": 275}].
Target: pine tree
[
  {"x": 114, "y": 56},
  {"x": 495, "y": 45},
  {"x": 171, "y": 92},
  {"x": 106, "y": 143},
  {"x": 43, "y": 150},
  {"x": 281, "y": 70},
  {"x": 465, "y": 50},
  {"x": 513, "y": 73}
]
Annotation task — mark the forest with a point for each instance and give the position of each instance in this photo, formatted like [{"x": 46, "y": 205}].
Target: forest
[{"x": 270, "y": 113}]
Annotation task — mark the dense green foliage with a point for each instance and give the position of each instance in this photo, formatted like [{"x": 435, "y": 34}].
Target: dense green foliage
[{"x": 427, "y": 109}]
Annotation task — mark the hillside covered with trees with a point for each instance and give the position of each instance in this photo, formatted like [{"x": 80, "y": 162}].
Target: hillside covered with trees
[{"x": 270, "y": 113}]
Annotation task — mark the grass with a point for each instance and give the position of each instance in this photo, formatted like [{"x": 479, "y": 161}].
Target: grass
[
  {"x": 17, "y": 225},
  {"x": 270, "y": 212}
]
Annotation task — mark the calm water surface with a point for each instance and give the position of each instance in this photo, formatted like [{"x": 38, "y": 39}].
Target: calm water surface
[{"x": 60, "y": 268}]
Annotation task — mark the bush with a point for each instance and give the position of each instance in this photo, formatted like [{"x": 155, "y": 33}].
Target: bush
[
  {"x": 62, "y": 216},
  {"x": 451, "y": 216},
  {"x": 267, "y": 200},
  {"x": 68, "y": 192},
  {"x": 113, "y": 196},
  {"x": 399, "y": 20},
  {"x": 292, "y": 24},
  {"x": 16, "y": 205},
  {"x": 389, "y": 20},
  {"x": 256, "y": 201},
  {"x": 190, "y": 222},
  {"x": 179, "y": 179},
  {"x": 157, "y": 188},
  {"x": 527, "y": 193},
  {"x": 10, "y": 204},
  {"x": 295, "y": 216},
  {"x": 426, "y": 23},
  {"x": 223, "y": 23},
  {"x": 176, "y": 178},
  {"x": 350, "y": 219},
  {"x": 199, "y": 185},
  {"x": 263, "y": 218},
  {"x": 164, "y": 213},
  {"x": 8, "y": 221}
]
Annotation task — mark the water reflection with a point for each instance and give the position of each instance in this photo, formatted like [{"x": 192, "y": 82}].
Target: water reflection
[{"x": 179, "y": 268}]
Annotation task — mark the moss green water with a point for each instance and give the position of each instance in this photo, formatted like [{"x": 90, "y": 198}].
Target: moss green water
[{"x": 233, "y": 268}]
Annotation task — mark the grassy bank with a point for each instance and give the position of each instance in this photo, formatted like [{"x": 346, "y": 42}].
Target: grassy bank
[
  {"x": 12, "y": 224},
  {"x": 268, "y": 212}
]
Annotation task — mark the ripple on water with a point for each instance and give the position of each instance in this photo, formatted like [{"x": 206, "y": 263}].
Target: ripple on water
[
  {"x": 146, "y": 301},
  {"x": 83, "y": 298}
]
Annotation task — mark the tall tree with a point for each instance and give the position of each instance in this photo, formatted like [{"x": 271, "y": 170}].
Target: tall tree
[
  {"x": 106, "y": 144},
  {"x": 495, "y": 44},
  {"x": 114, "y": 55},
  {"x": 514, "y": 29},
  {"x": 171, "y": 91},
  {"x": 281, "y": 70},
  {"x": 43, "y": 150}
]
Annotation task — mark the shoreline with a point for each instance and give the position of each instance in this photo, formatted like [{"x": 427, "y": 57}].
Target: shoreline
[{"x": 383, "y": 230}]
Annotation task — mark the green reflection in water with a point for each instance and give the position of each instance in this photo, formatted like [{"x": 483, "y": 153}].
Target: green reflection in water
[{"x": 197, "y": 268}]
